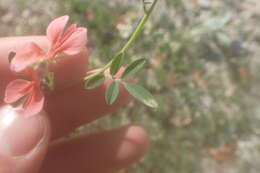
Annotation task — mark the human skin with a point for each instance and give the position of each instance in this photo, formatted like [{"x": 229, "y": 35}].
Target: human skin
[{"x": 34, "y": 145}]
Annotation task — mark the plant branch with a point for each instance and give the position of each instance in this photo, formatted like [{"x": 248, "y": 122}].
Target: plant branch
[
  {"x": 130, "y": 41},
  {"x": 132, "y": 38}
]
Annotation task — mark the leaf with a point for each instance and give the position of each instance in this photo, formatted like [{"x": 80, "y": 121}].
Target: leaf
[
  {"x": 112, "y": 93},
  {"x": 141, "y": 94},
  {"x": 95, "y": 81},
  {"x": 116, "y": 63},
  {"x": 133, "y": 68},
  {"x": 11, "y": 56}
]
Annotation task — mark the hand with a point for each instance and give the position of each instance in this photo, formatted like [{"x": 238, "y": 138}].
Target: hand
[{"x": 34, "y": 145}]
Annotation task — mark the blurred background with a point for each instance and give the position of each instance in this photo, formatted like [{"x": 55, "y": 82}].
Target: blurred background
[{"x": 203, "y": 69}]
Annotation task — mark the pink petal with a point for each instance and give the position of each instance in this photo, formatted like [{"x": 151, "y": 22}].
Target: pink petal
[
  {"x": 31, "y": 74},
  {"x": 33, "y": 103},
  {"x": 26, "y": 55},
  {"x": 16, "y": 90},
  {"x": 56, "y": 28},
  {"x": 71, "y": 29},
  {"x": 75, "y": 43}
]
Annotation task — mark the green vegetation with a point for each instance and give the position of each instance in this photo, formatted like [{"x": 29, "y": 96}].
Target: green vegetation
[{"x": 200, "y": 66}]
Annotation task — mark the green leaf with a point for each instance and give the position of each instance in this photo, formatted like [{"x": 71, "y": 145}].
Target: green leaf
[
  {"x": 116, "y": 63},
  {"x": 95, "y": 81},
  {"x": 11, "y": 56},
  {"x": 141, "y": 94},
  {"x": 133, "y": 68},
  {"x": 112, "y": 93}
]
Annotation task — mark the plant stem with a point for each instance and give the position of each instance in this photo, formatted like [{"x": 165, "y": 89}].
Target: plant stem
[
  {"x": 132, "y": 38},
  {"x": 139, "y": 28}
]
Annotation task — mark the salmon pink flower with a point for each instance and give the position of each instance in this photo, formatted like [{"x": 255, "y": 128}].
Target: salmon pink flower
[
  {"x": 70, "y": 41},
  {"x": 65, "y": 42},
  {"x": 30, "y": 91},
  {"x": 26, "y": 55}
]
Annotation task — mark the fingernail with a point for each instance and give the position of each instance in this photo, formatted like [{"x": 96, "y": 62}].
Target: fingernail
[{"x": 19, "y": 135}]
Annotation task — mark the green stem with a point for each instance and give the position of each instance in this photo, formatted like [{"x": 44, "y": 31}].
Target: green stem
[
  {"x": 139, "y": 28},
  {"x": 132, "y": 38}
]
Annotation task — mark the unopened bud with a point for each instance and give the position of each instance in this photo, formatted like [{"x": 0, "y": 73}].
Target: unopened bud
[{"x": 147, "y": 5}]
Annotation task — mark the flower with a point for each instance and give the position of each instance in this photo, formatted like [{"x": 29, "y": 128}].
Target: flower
[
  {"x": 70, "y": 41},
  {"x": 29, "y": 58},
  {"x": 66, "y": 42},
  {"x": 26, "y": 55},
  {"x": 29, "y": 91}
]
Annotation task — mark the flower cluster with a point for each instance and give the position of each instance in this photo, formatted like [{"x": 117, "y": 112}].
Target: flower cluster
[{"x": 31, "y": 62}]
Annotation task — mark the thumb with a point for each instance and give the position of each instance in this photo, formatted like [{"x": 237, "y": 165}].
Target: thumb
[{"x": 23, "y": 141}]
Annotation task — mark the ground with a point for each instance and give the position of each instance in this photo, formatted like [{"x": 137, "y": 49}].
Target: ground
[{"x": 203, "y": 68}]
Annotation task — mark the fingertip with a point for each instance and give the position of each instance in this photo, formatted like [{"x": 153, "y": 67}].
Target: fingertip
[
  {"x": 24, "y": 141},
  {"x": 140, "y": 136},
  {"x": 136, "y": 143},
  {"x": 20, "y": 135}
]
